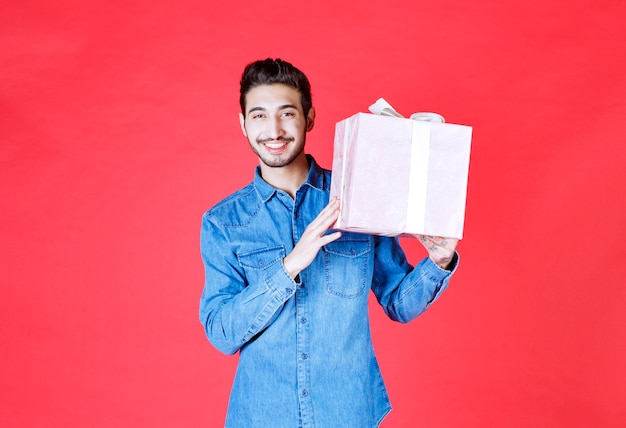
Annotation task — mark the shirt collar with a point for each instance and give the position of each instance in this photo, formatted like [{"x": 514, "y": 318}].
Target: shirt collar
[{"x": 315, "y": 179}]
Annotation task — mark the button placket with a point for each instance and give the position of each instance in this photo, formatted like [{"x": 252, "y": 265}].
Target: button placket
[{"x": 303, "y": 356}]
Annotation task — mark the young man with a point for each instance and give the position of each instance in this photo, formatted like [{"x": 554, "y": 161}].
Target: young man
[{"x": 288, "y": 293}]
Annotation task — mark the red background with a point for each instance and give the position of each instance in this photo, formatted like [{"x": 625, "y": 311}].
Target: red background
[{"x": 118, "y": 129}]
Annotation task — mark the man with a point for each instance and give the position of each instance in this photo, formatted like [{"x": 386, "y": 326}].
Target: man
[{"x": 288, "y": 293}]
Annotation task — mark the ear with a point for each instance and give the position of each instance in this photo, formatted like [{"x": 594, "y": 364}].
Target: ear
[
  {"x": 242, "y": 122},
  {"x": 310, "y": 119}
]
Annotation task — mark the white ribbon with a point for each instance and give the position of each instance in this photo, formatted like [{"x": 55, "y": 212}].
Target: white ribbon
[
  {"x": 418, "y": 173},
  {"x": 383, "y": 108},
  {"x": 418, "y": 177}
]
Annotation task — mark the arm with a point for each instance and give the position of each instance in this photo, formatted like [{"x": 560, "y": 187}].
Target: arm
[
  {"x": 236, "y": 306},
  {"x": 405, "y": 292},
  {"x": 237, "y": 303}
]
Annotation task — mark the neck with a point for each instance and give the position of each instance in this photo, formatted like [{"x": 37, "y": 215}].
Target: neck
[{"x": 287, "y": 178}]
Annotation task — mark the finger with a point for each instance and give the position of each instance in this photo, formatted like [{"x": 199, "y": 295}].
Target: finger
[
  {"x": 330, "y": 237},
  {"x": 438, "y": 240},
  {"x": 447, "y": 243},
  {"x": 321, "y": 228},
  {"x": 327, "y": 216},
  {"x": 437, "y": 245}
]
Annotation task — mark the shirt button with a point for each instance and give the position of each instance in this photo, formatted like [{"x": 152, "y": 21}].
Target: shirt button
[
  {"x": 303, "y": 320},
  {"x": 305, "y": 392},
  {"x": 288, "y": 290},
  {"x": 304, "y": 356}
]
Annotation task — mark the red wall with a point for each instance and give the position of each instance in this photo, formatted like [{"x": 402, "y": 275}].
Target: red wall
[{"x": 118, "y": 129}]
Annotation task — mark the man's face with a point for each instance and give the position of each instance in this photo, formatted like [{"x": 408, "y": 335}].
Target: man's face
[{"x": 275, "y": 124}]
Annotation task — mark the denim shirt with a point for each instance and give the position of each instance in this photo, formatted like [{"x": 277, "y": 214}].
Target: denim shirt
[{"x": 305, "y": 351}]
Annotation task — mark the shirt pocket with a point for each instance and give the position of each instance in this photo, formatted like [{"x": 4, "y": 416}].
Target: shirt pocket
[
  {"x": 256, "y": 262},
  {"x": 347, "y": 266}
]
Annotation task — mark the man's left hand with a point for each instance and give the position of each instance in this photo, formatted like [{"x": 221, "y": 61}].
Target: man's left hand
[{"x": 440, "y": 250}]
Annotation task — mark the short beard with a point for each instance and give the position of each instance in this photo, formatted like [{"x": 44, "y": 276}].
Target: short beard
[{"x": 278, "y": 161}]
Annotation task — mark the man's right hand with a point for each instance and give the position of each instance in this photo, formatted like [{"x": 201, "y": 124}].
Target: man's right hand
[{"x": 313, "y": 239}]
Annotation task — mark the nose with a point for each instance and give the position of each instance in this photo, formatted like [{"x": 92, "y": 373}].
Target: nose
[{"x": 275, "y": 128}]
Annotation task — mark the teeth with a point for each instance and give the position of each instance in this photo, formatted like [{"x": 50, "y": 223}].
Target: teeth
[{"x": 275, "y": 145}]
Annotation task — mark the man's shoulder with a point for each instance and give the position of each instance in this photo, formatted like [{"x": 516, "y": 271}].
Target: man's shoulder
[
  {"x": 240, "y": 197},
  {"x": 234, "y": 206}
]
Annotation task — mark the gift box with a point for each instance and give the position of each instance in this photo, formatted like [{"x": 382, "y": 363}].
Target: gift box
[{"x": 398, "y": 176}]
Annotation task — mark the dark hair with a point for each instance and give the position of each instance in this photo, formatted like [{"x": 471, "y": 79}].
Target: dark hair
[{"x": 270, "y": 71}]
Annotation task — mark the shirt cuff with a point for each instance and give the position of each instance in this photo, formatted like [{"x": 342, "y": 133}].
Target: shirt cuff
[{"x": 452, "y": 266}]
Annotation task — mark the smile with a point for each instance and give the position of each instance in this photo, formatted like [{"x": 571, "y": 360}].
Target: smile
[{"x": 276, "y": 145}]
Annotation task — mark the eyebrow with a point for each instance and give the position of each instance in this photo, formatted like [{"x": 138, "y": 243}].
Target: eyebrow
[{"x": 282, "y": 107}]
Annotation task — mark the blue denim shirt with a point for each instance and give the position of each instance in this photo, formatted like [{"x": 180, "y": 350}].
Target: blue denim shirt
[{"x": 305, "y": 351}]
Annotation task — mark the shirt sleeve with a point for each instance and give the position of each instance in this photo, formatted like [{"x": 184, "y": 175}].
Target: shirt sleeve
[
  {"x": 404, "y": 291},
  {"x": 237, "y": 303}
]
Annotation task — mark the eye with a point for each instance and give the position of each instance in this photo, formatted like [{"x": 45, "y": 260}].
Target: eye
[
  {"x": 257, "y": 116},
  {"x": 288, "y": 114}
]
